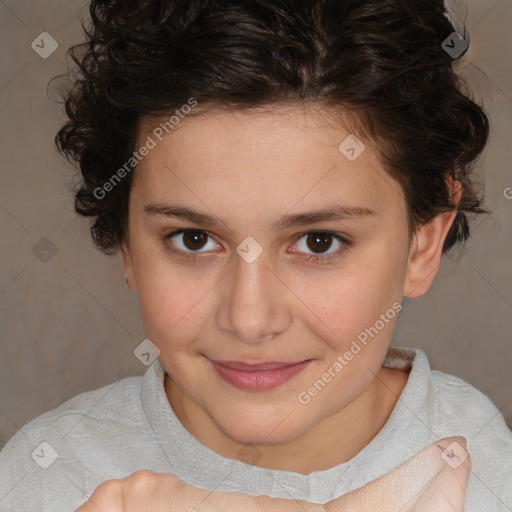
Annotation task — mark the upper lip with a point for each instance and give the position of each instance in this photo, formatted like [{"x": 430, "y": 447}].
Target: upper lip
[{"x": 252, "y": 367}]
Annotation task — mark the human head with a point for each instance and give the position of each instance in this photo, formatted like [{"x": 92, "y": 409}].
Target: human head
[{"x": 338, "y": 60}]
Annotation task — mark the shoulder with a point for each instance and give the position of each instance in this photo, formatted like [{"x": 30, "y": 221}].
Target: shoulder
[
  {"x": 52, "y": 459},
  {"x": 450, "y": 400},
  {"x": 442, "y": 406},
  {"x": 114, "y": 403},
  {"x": 458, "y": 402},
  {"x": 457, "y": 406}
]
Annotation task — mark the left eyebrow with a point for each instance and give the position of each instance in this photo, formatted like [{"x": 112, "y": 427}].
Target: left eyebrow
[{"x": 336, "y": 212}]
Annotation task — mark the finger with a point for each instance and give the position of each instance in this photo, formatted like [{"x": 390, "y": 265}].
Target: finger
[
  {"x": 402, "y": 488},
  {"x": 447, "y": 492},
  {"x": 148, "y": 491},
  {"x": 106, "y": 498}
]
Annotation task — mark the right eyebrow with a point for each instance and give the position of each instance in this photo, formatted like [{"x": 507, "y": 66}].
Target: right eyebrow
[{"x": 336, "y": 212}]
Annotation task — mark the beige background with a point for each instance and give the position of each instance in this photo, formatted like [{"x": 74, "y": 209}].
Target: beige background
[{"x": 69, "y": 325}]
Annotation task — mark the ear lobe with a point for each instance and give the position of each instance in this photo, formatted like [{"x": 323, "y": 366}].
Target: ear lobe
[
  {"x": 128, "y": 265},
  {"x": 427, "y": 249}
]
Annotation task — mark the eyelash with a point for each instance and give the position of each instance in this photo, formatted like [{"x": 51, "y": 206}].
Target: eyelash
[{"x": 318, "y": 259}]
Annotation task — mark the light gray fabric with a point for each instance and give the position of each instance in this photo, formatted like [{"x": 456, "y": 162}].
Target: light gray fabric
[{"x": 129, "y": 425}]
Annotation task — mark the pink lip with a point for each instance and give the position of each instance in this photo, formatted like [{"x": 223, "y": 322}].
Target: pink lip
[{"x": 258, "y": 377}]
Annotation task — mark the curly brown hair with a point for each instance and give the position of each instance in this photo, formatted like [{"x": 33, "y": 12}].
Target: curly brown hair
[{"x": 381, "y": 61}]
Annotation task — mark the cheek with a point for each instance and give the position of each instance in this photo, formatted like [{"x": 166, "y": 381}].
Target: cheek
[
  {"x": 177, "y": 303},
  {"x": 348, "y": 302},
  {"x": 169, "y": 313},
  {"x": 170, "y": 300}
]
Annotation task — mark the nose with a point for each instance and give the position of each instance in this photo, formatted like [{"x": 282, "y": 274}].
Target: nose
[{"x": 254, "y": 304}]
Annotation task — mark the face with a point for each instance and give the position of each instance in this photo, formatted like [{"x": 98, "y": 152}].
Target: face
[{"x": 258, "y": 278}]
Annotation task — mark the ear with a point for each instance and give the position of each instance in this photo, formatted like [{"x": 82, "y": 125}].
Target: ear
[
  {"x": 128, "y": 265},
  {"x": 427, "y": 248}
]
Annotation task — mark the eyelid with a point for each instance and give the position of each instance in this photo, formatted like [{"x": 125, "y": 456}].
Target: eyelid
[
  {"x": 332, "y": 257},
  {"x": 347, "y": 243},
  {"x": 183, "y": 231}
]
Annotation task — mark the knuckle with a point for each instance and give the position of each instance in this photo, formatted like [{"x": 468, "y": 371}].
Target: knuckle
[
  {"x": 107, "y": 492},
  {"x": 142, "y": 475},
  {"x": 141, "y": 481}
]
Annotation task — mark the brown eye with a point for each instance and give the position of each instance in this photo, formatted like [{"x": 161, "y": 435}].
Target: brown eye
[
  {"x": 321, "y": 246},
  {"x": 319, "y": 241},
  {"x": 189, "y": 241},
  {"x": 188, "y": 244},
  {"x": 194, "y": 240}
]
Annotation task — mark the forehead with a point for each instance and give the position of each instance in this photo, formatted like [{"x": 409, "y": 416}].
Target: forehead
[
  {"x": 266, "y": 127},
  {"x": 280, "y": 156}
]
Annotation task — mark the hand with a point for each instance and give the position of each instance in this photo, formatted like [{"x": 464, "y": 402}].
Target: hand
[
  {"x": 430, "y": 481},
  {"x": 138, "y": 492},
  {"x": 147, "y": 491}
]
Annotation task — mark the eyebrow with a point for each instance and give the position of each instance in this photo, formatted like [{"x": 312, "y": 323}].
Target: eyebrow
[{"x": 335, "y": 212}]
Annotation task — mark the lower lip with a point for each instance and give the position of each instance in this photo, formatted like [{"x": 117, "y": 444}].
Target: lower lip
[{"x": 260, "y": 380}]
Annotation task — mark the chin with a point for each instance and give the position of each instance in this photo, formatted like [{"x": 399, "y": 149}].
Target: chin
[{"x": 271, "y": 427}]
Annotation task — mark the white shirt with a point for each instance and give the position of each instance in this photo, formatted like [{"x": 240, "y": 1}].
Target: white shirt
[{"x": 129, "y": 425}]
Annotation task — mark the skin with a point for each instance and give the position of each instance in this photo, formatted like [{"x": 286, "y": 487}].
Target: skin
[
  {"x": 424, "y": 483},
  {"x": 249, "y": 170}
]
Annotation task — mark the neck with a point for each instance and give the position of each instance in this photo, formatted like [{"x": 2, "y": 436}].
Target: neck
[{"x": 332, "y": 441}]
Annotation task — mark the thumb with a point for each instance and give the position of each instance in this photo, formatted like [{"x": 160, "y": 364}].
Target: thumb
[{"x": 434, "y": 479}]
